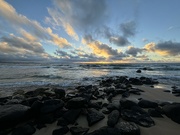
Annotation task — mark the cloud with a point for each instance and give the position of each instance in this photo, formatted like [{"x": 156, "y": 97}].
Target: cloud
[
  {"x": 134, "y": 51},
  {"x": 119, "y": 41},
  {"x": 28, "y": 36},
  {"x": 77, "y": 56},
  {"x": 100, "y": 49},
  {"x": 113, "y": 38},
  {"x": 82, "y": 14},
  {"x": 164, "y": 48},
  {"x": 17, "y": 47},
  {"x": 18, "y": 21},
  {"x": 128, "y": 28},
  {"x": 58, "y": 20}
]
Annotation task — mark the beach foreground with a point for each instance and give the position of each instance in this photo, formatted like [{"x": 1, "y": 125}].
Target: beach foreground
[{"x": 120, "y": 105}]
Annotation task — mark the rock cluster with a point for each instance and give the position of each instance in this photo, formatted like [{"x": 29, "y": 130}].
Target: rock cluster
[{"x": 46, "y": 105}]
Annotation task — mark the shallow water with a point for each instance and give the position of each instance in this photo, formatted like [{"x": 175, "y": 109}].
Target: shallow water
[{"x": 23, "y": 74}]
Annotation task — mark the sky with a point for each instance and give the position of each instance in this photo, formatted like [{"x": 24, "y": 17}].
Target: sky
[{"x": 117, "y": 31}]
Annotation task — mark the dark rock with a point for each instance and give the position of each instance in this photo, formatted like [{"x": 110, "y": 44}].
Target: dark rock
[
  {"x": 60, "y": 93},
  {"x": 127, "y": 104},
  {"x": 172, "y": 111},
  {"x": 72, "y": 115},
  {"x": 51, "y": 105},
  {"x": 13, "y": 101},
  {"x": 35, "y": 93},
  {"x": 167, "y": 91},
  {"x": 137, "y": 115},
  {"x": 106, "y": 111},
  {"x": 62, "y": 122},
  {"x": 110, "y": 96},
  {"x": 135, "y": 81},
  {"x": 128, "y": 128},
  {"x": 24, "y": 130},
  {"x": 35, "y": 109},
  {"x": 76, "y": 103},
  {"x": 46, "y": 118},
  {"x": 147, "y": 104},
  {"x": 113, "y": 118},
  {"x": 61, "y": 131},
  {"x": 60, "y": 112},
  {"x": 154, "y": 113},
  {"x": 93, "y": 116},
  {"x": 11, "y": 115},
  {"x": 4, "y": 99},
  {"x": 149, "y": 81},
  {"x": 96, "y": 105},
  {"x": 135, "y": 91},
  {"x": 106, "y": 131},
  {"x": 78, "y": 130},
  {"x": 40, "y": 126},
  {"x": 29, "y": 101},
  {"x": 115, "y": 105},
  {"x": 138, "y": 71},
  {"x": 109, "y": 90},
  {"x": 126, "y": 94}
]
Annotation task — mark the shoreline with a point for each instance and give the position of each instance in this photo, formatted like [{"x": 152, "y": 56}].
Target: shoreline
[{"x": 99, "y": 97}]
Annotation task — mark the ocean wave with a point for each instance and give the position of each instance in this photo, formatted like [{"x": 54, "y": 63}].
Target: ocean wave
[{"x": 47, "y": 76}]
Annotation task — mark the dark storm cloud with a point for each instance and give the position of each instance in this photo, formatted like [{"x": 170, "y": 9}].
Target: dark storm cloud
[
  {"x": 164, "y": 48},
  {"x": 172, "y": 48},
  {"x": 119, "y": 41},
  {"x": 128, "y": 29},
  {"x": 113, "y": 38},
  {"x": 134, "y": 51}
]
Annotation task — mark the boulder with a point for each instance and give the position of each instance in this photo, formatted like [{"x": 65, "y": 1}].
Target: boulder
[
  {"x": 128, "y": 128},
  {"x": 60, "y": 93},
  {"x": 61, "y": 131},
  {"x": 115, "y": 105},
  {"x": 138, "y": 71},
  {"x": 172, "y": 111},
  {"x": 93, "y": 116},
  {"x": 127, "y": 104},
  {"x": 72, "y": 115},
  {"x": 113, "y": 118},
  {"x": 147, "y": 104},
  {"x": 62, "y": 122},
  {"x": 137, "y": 115},
  {"x": 135, "y": 81},
  {"x": 78, "y": 130},
  {"x": 51, "y": 105},
  {"x": 11, "y": 115},
  {"x": 76, "y": 103},
  {"x": 154, "y": 113},
  {"x": 125, "y": 94},
  {"x": 24, "y": 130}
]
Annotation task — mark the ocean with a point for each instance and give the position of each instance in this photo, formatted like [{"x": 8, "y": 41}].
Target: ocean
[{"x": 14, "y": 76}]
